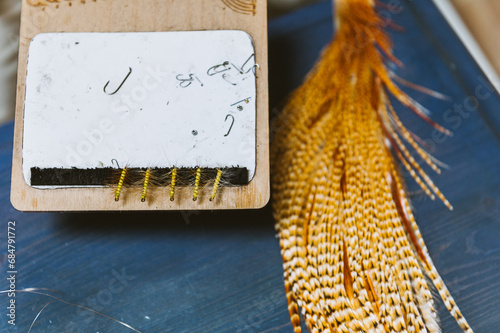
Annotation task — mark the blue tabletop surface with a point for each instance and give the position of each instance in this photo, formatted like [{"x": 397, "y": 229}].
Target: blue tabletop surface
[{"x": 221, "y": 271}]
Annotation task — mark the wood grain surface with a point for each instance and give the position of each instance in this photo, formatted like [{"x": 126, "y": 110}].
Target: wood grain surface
[{"x": 142, "y": 16}]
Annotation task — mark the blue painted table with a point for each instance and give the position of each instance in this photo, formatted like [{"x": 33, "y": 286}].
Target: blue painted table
[{"x": 221, "y": 272}]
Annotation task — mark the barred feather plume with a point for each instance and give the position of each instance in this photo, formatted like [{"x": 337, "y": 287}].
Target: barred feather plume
[{"x": 354, "y": 259}]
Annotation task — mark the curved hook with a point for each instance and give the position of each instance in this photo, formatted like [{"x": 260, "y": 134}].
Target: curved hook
[
  {"x": 113, "y": 161},
  {"x": 184, "y": 83},
  {"x": 254, "y": 69},
  {"x": 242, "y": 70},
  {"x": 230, "y": 128},
  {"x": 119, "y": 87},
  {"x": 224, "y": 76},
  {"x": 215, "y": 69}
]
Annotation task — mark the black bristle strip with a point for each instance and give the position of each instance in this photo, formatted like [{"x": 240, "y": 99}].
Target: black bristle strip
[{"x": 104, "y": 176}]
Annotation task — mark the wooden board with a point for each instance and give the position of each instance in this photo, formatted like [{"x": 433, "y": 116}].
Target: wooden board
[
  {"x": 143, "y": 16},
  {"x": 483, "y": 20}
]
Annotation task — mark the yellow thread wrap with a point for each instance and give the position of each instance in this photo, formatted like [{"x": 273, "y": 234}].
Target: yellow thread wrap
[
  {"x": 120, "y": 184},
  {"x": 197, "y": 184},
  {"x": 147, "y": 176},
  {"x": 216, "y": 185},
  {"x": 172, "y": 184}
]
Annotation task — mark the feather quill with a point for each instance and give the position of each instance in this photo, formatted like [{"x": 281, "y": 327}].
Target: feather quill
[{"x": 354, "y": 259}]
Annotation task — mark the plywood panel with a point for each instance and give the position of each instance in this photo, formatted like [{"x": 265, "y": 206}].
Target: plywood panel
[{"x": 143, "y": 16}]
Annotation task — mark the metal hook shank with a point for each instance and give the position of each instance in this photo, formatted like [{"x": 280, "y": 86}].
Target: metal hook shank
[
  {"x": 232, "y": 123},
  {"x": 114, "y": 161}
]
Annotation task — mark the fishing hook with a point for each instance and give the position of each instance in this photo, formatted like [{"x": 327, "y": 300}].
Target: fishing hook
[
  {"x": 242, "y": 70},
  {"x": 224, "y": 76},
  {"x": 215, "y": 69},
  {"x": 232, "y": 123},
  {"x": 123, "y": 82},
  {"x": 113, "y": 161}
]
